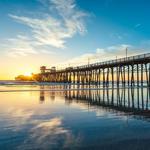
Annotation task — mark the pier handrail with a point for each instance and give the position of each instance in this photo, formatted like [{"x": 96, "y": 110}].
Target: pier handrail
[{"x": 125, "y": 59}]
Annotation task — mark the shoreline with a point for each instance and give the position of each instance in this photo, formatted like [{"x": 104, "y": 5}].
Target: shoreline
[{"x": 78, "y": 89}]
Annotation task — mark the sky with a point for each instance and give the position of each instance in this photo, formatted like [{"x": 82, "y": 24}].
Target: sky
[{"x": 65, "y": 33}]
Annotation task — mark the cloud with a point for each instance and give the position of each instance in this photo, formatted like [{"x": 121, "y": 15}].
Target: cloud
[
  {"x": 117, "y": 36},
  {"x": 137, "y": 25},
  {"x": 21, "y": 45},
  {"x": 49, "y": 30}
]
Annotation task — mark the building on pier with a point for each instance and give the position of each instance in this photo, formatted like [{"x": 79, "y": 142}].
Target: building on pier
[{"x": 43, "y": 70}]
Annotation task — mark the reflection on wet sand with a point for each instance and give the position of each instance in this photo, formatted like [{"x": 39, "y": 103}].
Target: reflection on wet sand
[
  {"x": 42, "y": 94},
  {"x": 128, "y": 100},
  {"x": 75, "y": 118}
]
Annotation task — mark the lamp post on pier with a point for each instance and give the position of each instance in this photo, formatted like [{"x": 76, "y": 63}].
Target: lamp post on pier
[
  {"x": 88, "y": 61},
  {"x": 126, "y": 53}
]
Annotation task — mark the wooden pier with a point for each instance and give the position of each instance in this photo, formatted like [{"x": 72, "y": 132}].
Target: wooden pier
[{"x": 131, "y": 71}]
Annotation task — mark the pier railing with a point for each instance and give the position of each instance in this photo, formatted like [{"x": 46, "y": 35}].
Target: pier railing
[{"x": 116, "y": 61}]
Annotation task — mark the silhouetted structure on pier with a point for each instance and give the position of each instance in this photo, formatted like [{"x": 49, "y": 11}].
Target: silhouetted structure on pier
[{"x": 126, "y": 71}]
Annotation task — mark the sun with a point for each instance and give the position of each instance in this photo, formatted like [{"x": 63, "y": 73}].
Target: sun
[{"x": 28, "y": 74}]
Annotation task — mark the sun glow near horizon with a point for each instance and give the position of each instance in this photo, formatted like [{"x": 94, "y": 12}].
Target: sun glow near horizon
[
  {"x": 11, "y": 73},
  {"x": 27, "y": 74}
]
